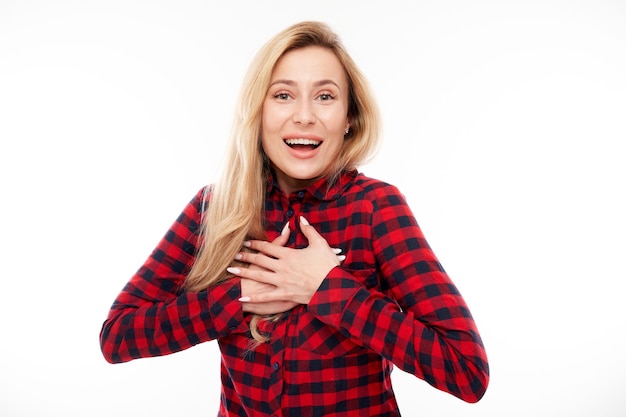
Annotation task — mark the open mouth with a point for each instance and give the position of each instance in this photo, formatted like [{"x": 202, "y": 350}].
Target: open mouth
[{"x": 302, "y": 143}]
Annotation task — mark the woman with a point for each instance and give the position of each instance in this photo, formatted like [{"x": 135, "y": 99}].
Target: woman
[{"x": 314, "y": 278}]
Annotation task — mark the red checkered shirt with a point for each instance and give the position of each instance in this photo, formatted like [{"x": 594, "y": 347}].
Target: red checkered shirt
[{"x": 389, "y": 303}]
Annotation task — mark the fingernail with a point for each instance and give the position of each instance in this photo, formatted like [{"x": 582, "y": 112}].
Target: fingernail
[
  {"x": 337, "y": 251},
  {"x": 247, "y": 244},
  {"x": 285, "y": 229},
  {"x": 341, "y": 258},
  {"x": 304, "y": 221},
  {"x": 239, "y": 257},
  {"x": 244, "y": 299},
  {"x": 233, "y": 270}
]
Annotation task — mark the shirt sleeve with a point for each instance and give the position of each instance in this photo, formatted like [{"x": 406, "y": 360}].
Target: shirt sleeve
[
  {"x": 418, "y": 320},
  {"x": 152, "y": 316}
]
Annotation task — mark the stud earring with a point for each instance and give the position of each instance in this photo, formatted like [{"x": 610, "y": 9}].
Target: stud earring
[{"x": 347, "y": 129}]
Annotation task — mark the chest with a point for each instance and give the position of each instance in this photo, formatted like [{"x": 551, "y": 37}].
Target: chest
[{"x": 345, "y": 223}]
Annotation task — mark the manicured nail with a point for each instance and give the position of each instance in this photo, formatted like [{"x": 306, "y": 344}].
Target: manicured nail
[
  {"x": 285, "y": 229},
  {"x": 239, "y": 256},
  {"x": 337, "y": 251},
  {"x": 234, "y": 271},
  {"x": 341, "y": 258},
  {"x": 304, "y": 221},
  {"x": 247, "y": 243},
  {"x": 244, "y": 299}
]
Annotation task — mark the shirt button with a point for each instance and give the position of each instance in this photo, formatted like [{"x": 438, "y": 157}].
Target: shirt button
[
  {"x": 301, "y": 194},
  {"x": 289, "y": 213},
  {"x": 276, "y": 366}
]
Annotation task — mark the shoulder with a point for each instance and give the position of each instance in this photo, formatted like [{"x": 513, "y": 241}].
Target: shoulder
[
  {"x": 384, "y": 198},
  {"x": 201, "y": 198},
  {"x": 376, "y": 190},
  {"x": 197, "y": 206}
]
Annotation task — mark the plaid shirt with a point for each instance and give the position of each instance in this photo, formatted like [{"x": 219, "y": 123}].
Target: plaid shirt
[{"x": 389, "y": 303}]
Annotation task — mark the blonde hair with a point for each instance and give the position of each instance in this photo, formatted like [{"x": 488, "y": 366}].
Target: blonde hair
[{"x": 236, "y": 209}]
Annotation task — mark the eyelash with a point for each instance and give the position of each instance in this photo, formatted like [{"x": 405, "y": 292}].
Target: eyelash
[{"x": 322, "y": 97}]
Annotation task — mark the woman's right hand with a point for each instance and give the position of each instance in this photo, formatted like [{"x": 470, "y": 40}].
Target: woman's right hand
[{"x": 250, "y": 286}]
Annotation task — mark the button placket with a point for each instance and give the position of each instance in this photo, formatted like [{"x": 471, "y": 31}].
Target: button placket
[
  {"x": 293, "y": 212},
  {"x": 276, "y": 359}
]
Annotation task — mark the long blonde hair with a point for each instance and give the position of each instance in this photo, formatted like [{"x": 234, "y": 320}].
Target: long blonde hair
[{"x": 235, "y": 211}]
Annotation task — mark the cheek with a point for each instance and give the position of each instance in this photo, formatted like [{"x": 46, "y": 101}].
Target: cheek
[
  {"x": 264, "y": 144},
  {"x": 268, "y": 144},
  {"x": 264, "y": 120},
  {"x": 266, "y": 128},
  {"x": 272, "y": 117},
  {"x": 335, "y": 120}
]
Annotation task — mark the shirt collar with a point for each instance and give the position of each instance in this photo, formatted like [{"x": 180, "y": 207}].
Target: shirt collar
[{"x": 321, "y": 189}]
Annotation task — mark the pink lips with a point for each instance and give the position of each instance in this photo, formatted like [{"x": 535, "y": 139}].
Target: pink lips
[{"x": 303, "y": 146}]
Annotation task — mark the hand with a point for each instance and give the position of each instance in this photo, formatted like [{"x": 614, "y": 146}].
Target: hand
[
  {"x": 250, "y": 287},
  {"x": 295, "y": 274}
]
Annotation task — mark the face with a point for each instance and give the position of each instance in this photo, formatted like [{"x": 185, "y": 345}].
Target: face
[{"x": 305, "y": 116}]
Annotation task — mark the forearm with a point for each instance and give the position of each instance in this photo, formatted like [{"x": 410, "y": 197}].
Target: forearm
[
  {"x": 448, "y": 353},
  {"x": 136, "y": 329}
]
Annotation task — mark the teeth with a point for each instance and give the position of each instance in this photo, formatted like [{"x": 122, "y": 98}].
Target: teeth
[{"x": 302, "y": 141}]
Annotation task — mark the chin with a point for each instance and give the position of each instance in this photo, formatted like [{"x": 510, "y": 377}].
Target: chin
[{"x": 303, "y": 174}]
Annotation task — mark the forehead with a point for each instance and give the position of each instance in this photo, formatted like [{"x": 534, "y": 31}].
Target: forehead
[{"x": 310, "y": 63}]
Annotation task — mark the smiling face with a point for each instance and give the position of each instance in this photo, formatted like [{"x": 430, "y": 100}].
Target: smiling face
[{"x": 305, "y": 116}]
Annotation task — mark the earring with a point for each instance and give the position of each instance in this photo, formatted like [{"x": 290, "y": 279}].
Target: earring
[{"x": 347, "y": 129}]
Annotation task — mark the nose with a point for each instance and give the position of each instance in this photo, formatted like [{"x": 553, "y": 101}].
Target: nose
[{"x": 304, "y": 113}]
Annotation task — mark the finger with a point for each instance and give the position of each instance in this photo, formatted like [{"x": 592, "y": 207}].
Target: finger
[
  {"x": 258, "y": 259},
  {"x": 254, "y": 274},
  {"x": 265, "y": 297},
  {"x": 282, "y": 239},
  {"x": 311, "y": 233},
  {"x": 308, "y": 230},
  {"x": 268, "y": 248}
]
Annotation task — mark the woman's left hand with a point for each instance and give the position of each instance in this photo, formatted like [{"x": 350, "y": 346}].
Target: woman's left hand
[{"x": 296, "y": 273}]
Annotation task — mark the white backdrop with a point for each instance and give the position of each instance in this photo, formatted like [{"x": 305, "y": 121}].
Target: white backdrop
[{"x": 504, "y": 127}]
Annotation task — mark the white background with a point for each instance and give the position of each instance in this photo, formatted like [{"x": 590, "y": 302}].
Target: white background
[{"x": 504, "y": 127}]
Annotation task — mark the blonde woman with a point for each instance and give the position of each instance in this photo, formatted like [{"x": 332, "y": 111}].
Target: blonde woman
[{"x": 315, "y": 279}]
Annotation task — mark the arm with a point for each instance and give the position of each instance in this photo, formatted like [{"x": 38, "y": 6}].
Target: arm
[
  {"x": 421, "y": 323},
  {"x": 152, "y": 316}
]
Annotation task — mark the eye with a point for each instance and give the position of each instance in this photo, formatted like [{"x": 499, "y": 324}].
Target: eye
[
  {"x": 281, "y": 96},
  {"x": 326, "y": 97}
]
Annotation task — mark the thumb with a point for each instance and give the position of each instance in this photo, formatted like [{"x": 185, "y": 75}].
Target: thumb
[
  {"x": 317, "y": 241},
  {"x": 282, "y": 239},
  {"x": 309, "y": 231}
]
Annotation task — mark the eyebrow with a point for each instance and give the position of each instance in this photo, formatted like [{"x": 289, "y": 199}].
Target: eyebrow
[{"x": 315, "y": 84}]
